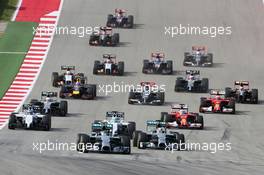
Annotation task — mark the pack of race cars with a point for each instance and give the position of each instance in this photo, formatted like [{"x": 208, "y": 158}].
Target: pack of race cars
[{"x": 113, "y": 134}]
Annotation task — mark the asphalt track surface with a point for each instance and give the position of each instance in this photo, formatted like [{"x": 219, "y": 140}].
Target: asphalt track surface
[{"x": 239, "y": 56}]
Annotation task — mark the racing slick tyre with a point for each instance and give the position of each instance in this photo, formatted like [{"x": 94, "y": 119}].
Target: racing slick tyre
[
  {"x": 121, "y": 68},
  {"x": 254, "y": 96},
  {"x": 142, "y": 137},
  {"x": 131, "y": 127},
  {"x": 204, "y": 85},
  {"x": 131, "y": 96},
  {"x": 179, "y": 85},
  {"x": 55, "y": 79},
  {"x": 210, "y": 59},
  {"x": 115, "y": 39},
  {"x": 135, "y": 138},
  {"x": 90, "y": 92},
  {"x": 63, "y": 108},
  {"x": 130, "y": 21},
  {"x": 125, "y": 141},
  {"x": 203, "y": 103},
  {"x": 12, "y": 121},
  {"x": 162, "y": 116},
  {"x": 161, "y": 96},
  {"x": 109, "y": 20},
  {"x": 228, "y": 92},
  {"x": 145, "y": 66},
  {"x": 82, "y": 140},
  {"x": 168, "y": 118},
  {"x": 46, "y": 122},
  {"x": 170, "y": 66},
  {"x": 95, "y": 68},
  {"x": 201, "y": 121},
  {"x": 186, "y": 58},
  {"x": 232, "y": 104}
]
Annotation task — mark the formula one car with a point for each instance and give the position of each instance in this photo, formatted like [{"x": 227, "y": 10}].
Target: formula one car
[
  {"x": 198, "y": 57},
  {"x": 217, "y": 104},
  {"x": 78, "y": 91},
  {"x": 158, "y": 137},
  {"x": 120, "y": 19},
  {"x": 109, "y": 66},
  {"x": 148, "y": 94},
  {"x": 105, "y": 37},
  {"x": 242, "y": 93},
  {"x": 181, "y": 118},
  {"x": 157, "y": 65},
  {"x": 68, "y": 76},
  {"x": 192, "y": 83},
  {"x": 103, "y": 142},
  {"x": 49, "y": 104},
  {"x": 115, "y": 120},
  {"x": 31, "y": 117}
]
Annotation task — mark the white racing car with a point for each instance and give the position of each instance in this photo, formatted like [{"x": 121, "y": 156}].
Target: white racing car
[{"x": 31, "y": 117}]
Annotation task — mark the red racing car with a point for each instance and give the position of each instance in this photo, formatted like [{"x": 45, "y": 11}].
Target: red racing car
[
  {"x": 181, "y": 118},
  {"x": 217, "y": 103}
]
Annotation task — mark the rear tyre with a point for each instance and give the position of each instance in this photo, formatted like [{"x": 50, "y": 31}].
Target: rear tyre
[
  {"x": 131, "y": 129},
  {"x": 204, "y": 85},
  {"x": 210, "y": 59},
  {"x": 131, "y": 96},
  {"x": 145, "y": 66},
  {"x": 254, "y": 96},
  {"x": 228, "y": 92},
  {"x": 12, "y": 121},
  {"x": 115, "y": 39},
  {"x": 170, "y": 66},
  {"x": 163, "y": 116},
  {"x": 109, "y": 20},
  {"x": 63, "y": 108},
  {"x": 82, "y": 140},
  {"x": 46, "y": 122},
  {"x": 200, "y": 120},
  {"x": 135, "y": 138},
  {"x": 179, "y": 86},
  {"x": 95, "y": 68},
  {"x": 125, "y": 141},
  {"x": 142, "y": 137},
  {"x": 130, "y": 21},
  {"x": 232, "y": 104},
  {"x": 121, "y": 68},
  {"x": 55, "y": 79}
]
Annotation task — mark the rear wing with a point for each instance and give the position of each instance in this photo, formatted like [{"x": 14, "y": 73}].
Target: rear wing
[
  {"x": 179, "y": 106},
  {"x": 49, "y": 94},
  {"x": 111, "y": 56},
  {"x": 115, "y": 114},
  {"x": 147, "y": 83},
  {"x": 199, "y": 48},
  {"x": 241, "y": 83},
  {"x": 156, "y": 123},
  {"x": 160, "y": 54},
  {"x": 194, "y": 72},
  {"x": 217, "y": 92},
  {"x": 68, "y": 68},
  {"x": 101, "y": 126},
  {"x": 120, "y": 11}
]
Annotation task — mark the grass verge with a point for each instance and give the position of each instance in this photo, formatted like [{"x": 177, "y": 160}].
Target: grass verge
[{"x": 15, "y": 41}]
